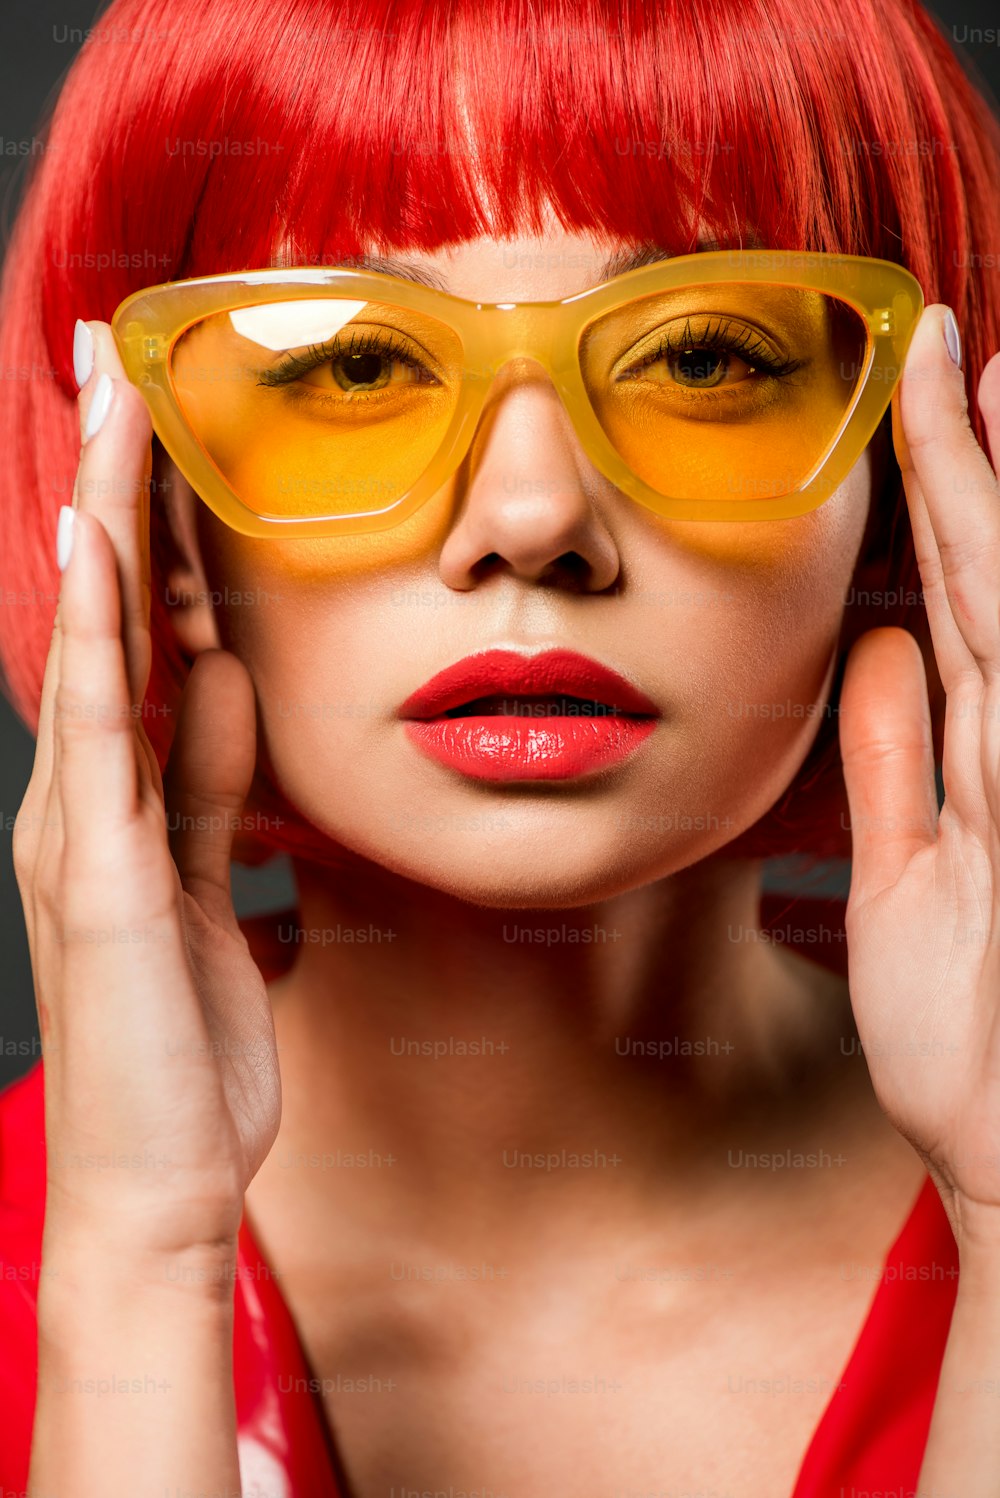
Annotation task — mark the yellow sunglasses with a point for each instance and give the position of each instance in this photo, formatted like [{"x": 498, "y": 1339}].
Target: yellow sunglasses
[{"x": 726, "y": 385}]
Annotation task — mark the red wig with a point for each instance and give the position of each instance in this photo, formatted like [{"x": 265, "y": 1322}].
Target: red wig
[{"x": 194, "y": 136}]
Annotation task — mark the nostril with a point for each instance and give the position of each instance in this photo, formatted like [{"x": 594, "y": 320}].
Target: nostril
[
  {"x": 571, "y": 570},
  {"x": 571, "y": 566}
]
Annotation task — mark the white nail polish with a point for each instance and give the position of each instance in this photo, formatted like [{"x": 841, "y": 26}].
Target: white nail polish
[
  {"x": 83, "y": 353},
  {"x": 952, "y": 337},
  {"x": 64, "y": 535},
  {"x": 99, "y": 406}
]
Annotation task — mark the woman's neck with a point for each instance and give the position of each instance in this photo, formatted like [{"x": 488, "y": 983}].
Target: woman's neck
[{"x": 612, "y": 1048}]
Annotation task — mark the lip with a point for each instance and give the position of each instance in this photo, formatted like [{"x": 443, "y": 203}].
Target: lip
[
  {"x": 552, "y": 672},
  {"x": 536, "y": 740}
]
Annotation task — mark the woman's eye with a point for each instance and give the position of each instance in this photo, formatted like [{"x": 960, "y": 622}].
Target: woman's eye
[
  {"x": 695, "y": 368},
  {"x": 363, "y": 371}
]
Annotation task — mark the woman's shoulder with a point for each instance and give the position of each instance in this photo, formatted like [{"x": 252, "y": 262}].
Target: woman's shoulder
[{"x": 280, "y": 1442}]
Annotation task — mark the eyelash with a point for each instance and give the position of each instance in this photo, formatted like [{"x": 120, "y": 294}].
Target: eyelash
[
  {"x": 747, "y": 344},
  {"x": 293, "y": 366}
]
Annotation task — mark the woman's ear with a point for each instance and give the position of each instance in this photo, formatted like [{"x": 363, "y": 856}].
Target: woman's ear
[{"x": 189, "y": 596}]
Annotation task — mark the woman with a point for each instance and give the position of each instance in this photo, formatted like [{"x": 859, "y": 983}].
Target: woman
[{"x": 530, "y": 1110}]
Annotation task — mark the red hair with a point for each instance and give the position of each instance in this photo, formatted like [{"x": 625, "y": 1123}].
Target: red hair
[{"x": 191, "y": 135}]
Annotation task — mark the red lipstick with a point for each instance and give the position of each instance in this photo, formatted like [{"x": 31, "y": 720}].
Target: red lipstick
[{"x": 505, "y": 716}]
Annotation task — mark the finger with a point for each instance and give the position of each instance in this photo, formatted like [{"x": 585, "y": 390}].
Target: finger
[
  {"x": 954, "y": 659},
  {"x": 955, "y": 504},
  {"x": 208, "y": 774},
  {"x": 33, "y": 818},
  {"x": 113, "y": 484},
  {"x": 95, "y": 770},
  {"x": 967, "y": 726},
  {"x": 888, "y": 758},
  {"x": 988, "y": 398},
  {"x": 41, "y": 775}
]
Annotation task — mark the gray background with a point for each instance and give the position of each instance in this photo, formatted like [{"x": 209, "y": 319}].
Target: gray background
[{"x": 34, "y": 58}]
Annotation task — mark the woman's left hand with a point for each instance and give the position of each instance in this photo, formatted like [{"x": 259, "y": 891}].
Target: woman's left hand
[{"x": 923, "y": 914}]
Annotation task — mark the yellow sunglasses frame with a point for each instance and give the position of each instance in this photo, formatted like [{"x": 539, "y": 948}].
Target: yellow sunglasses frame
[{"x": 147, "y": 324}]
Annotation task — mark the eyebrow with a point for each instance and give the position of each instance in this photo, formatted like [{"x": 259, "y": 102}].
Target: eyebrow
[{"x": 617, "y": 264}]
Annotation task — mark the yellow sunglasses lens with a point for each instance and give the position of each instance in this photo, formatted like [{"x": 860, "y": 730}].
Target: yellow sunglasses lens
[
  {"x": 331, "y": 406},
  {"x": 732, "y": 391},
  {"x": 322, "y": 406}
]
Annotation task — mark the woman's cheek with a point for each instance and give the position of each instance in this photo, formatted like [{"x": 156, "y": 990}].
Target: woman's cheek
[
  {"x": 755, "y": 653},
  {"x": 735, "y": 629}
]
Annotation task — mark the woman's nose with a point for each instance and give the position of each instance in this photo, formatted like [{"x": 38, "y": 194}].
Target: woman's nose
[{"x": 525, "y": 494}]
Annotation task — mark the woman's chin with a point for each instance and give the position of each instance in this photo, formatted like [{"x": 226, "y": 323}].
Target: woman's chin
[{"x": 535, "y": 868}]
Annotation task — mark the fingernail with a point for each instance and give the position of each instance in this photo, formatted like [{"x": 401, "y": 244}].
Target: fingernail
[
  {"x": 83, "y": 353},
  {"x": 64, "y": 535},
  {"x": 952, "y": 337},
  {"x": 99, "y": 406}
]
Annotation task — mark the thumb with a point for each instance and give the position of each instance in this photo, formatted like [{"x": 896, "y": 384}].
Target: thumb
[
  {"x": 208, "y": 775},
  {"x": 888, "y": 758}
]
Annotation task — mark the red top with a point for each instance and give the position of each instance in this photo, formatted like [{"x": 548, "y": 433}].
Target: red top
[{"x": 871, "y": 1436}]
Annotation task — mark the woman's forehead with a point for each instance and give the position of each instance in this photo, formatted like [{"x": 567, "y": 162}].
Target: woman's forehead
[{"x": 551, "y": 264}]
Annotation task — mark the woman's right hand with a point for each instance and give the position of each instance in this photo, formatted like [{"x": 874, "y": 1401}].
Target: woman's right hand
[{"x": 162, "y": 1091}]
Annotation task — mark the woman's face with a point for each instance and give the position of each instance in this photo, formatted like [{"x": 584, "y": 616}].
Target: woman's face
[{"x": 730, "y": 629}]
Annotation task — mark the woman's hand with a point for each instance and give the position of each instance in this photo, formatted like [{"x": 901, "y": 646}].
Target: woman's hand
[
  {"x": 162, "y": 1092},
  {"x": 923, "y": 915}
]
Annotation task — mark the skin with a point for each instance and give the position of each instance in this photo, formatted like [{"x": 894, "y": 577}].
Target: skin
[
  {"x": 669, "y": 893},
  {"x": 526, "y": 499},
  {"x": 500, "y": 549}
]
